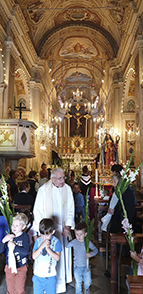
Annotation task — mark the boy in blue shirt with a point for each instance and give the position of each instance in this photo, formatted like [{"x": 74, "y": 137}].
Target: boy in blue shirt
[
  {"x": 16, "y": 260},
  {"x": 46, "y": 253},
  {"x": 79, "y": 203},
  {"x": 80, "y": 258}
]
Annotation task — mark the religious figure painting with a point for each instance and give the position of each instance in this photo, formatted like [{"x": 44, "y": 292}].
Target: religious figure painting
[
  {"x": 131, "y": 91},
  {"x": 78, "y": 47},
  {"x": 19, "y": 87},
  {"x": 74, "y": 77}
]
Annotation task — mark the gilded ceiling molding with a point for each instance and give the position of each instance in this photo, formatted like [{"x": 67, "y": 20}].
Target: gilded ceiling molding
[
  {"x": 89, "y": 24},
  {"x": 130, "y": 72}
]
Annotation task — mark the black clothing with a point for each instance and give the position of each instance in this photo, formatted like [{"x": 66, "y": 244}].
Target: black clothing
[
  {"x": 85, "y": 183},
  {"x": 128, "y": 199},
  {"x": 13, "y": 187},
  {"x": 32, "y": 190},
  {"x": 23, "y": 198}
]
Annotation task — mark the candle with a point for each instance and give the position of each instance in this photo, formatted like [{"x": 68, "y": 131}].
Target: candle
[{"x": 96, "y": 175}]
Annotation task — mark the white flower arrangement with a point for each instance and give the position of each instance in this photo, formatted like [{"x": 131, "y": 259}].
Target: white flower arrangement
[{"x": 5, "y": 208}]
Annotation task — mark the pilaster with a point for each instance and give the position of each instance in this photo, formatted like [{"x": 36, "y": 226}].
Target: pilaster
[{"x": 10, "y": 50}]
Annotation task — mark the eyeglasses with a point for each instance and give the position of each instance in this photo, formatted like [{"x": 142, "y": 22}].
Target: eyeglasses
[{"x": 60, "y": 178}]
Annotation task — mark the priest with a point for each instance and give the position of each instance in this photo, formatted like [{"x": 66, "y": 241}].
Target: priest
[{"x": 55, "y": 200}]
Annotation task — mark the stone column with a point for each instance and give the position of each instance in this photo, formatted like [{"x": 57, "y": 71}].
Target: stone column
[
  {"x": 14, "y": 164},
  {"x": 140, "y": 48},
  {"x": 35, "y": 100},
  {"x": 117, "y": 100},
  {"x": 2, "y": 89},
  {"x": 11, "y": 53}
]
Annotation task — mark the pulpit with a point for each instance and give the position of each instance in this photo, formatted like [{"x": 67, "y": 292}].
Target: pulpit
[{"x": 17, "y": 138}]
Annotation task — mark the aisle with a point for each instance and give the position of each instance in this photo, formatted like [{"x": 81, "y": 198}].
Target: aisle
[{"x": 100, "y": 283}]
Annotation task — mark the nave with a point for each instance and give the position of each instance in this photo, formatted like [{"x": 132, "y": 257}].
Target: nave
[{"x": 100, "y": 283}]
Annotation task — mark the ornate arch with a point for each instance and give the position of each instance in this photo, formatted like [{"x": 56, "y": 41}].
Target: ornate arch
[
  {"x": 21, "y": 89},
  {"x": 89, "y": 24},
  {"x": 128, "y": 100}
]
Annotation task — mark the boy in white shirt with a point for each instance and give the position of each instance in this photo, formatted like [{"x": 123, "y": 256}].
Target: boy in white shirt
[{"x": 46, "y": 253}]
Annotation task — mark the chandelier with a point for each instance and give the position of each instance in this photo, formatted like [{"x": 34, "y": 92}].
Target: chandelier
[
  {"x": 77, "y": 96},
  {"x": 45, "y": 134}
]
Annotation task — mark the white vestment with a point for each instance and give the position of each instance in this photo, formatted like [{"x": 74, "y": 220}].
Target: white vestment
[{"x": 58, "y": 204}]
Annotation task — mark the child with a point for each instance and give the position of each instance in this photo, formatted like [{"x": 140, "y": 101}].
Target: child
[
  {"x": 46, "y": 253},
  {"x": 139, "y": 260},
  {"x": 79, "y": 203},
  {"x": 18, "y": 249},
  {"x": 80, "y": 258}
]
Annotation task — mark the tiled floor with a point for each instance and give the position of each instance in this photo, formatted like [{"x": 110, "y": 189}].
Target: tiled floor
[{"x": 100, "y": 283}]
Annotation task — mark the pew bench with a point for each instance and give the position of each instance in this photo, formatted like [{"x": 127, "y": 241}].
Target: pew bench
[
  {"x": 120, "y": 239},
  {"x": 135, "y": 284}
]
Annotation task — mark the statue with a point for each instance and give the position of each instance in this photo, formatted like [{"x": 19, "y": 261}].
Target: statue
[{"x": 108, "y": 150}]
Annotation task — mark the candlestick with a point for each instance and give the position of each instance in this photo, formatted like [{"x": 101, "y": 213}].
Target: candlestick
[{"x": 96, "y": 175}]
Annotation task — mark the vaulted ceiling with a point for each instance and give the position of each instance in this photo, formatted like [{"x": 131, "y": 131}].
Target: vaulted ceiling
[{"x": 76, "y": 39}]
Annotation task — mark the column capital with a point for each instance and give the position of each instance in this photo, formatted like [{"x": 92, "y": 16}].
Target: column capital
[{"x": 34, "y": 85}]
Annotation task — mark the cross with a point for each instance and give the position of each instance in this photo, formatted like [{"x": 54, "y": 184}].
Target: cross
[{"x": 20, "y": 108}]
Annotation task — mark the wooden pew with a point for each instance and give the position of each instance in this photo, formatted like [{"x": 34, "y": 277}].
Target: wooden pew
[
  {"x": 135, "y": 284},
  {"x": 119, "y": 238}
]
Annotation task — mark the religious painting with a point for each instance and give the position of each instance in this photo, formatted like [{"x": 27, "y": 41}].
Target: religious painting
[
  {"x": 80, "y": 75},
  {"x": 131, "y": 91},
  {"x": 78, "y": 47},
  {"x": 19, "y": 87}
]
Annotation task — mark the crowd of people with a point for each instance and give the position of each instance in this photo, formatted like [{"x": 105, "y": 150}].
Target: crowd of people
[{"x": 56, "y": 208}]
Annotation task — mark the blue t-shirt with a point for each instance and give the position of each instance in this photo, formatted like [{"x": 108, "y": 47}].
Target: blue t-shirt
[
  {"x": 44, "y": 264},
  {"x": 79, "y": 201}
]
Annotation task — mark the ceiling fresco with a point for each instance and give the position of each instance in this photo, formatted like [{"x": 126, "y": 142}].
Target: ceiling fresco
[
  {"x": 78, "y": 47},
  {"x": 77, "y": 40}
]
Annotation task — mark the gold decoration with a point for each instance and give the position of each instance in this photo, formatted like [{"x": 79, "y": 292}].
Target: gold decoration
[
  {"x": 77, "y": 143},
  {"x": 87, "y": 116},
  {"x": 6, "y": 136},
  {"x": 68, "y": 116},
  {"x": 77, "y": 107},
  {"x": 78, "y": 121}
]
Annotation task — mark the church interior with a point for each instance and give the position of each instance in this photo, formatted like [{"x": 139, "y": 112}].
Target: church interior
[
  {"x": 71, "y": 86},
  {"x": 70, "y": 73}
]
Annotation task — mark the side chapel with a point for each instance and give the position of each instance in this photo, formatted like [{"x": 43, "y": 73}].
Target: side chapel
[{"x": 71, "y": 82}]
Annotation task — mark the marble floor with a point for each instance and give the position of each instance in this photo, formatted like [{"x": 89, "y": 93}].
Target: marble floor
[{"x": 100, "y": 283}]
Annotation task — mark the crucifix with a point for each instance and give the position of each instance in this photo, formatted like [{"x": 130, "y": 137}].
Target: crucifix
[{"x": 20, "y": 108}]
